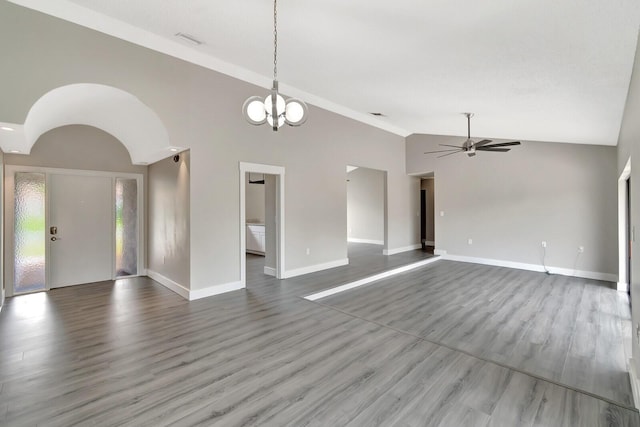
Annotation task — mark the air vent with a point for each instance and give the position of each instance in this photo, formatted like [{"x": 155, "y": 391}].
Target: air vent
[
  {"x": 189, "y": 38},
  {"x": 378, "y": 114}
]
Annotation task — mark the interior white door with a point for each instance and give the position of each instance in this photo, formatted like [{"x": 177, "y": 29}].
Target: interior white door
[{"x": 81, "y": 244}]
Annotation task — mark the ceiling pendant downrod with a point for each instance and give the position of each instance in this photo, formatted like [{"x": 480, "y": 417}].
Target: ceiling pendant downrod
[{"x": 274, "y": 110}]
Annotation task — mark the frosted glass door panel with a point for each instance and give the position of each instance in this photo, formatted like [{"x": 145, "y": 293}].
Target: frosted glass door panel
[
  {"x": 29, "y": 225},
  {"x": 126, "y": 227}
]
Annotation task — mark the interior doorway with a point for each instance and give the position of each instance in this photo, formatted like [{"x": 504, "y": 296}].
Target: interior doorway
[
  {"x": 260, "y": 210},
  {"x": 630, "y": 236},
  {"x": 69, "y": 227},
  {"x": 366, "y": 210},
  {"x": 427, "y": 213},
  {"x": 261, "y": 222},
  {"x": 626, "y": 232}
]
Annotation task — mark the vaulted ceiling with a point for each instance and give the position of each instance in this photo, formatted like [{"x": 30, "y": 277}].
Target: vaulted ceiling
[{"x": 543, "y": 70}]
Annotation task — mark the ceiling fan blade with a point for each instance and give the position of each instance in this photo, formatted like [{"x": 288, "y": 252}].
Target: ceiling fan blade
[
  {"x": 495, "y": 150},
  {"x": 447, "y": 145},
  {"x": 448, "y": 154},
  {"x": 481, "y": 143},
  {"x": 442, "y": 151},
  {"x": 504, "y": 144}
]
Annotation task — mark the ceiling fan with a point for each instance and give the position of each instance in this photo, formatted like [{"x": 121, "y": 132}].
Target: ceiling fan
[{"x": 471, "y": 147}]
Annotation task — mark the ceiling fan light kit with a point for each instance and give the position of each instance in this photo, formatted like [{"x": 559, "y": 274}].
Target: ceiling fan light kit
[
  {"x": 274, "y": 109},
  {"x": 470, "y": 147}
]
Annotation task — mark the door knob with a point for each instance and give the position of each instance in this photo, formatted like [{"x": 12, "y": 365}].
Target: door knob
[
  {"x": 54, "y": 238},
  {"x": 53, "y": 230}
]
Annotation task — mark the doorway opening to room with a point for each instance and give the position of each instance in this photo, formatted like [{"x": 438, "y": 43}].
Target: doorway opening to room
[
  {"x": 630, "y": 236},
  {"x": 366, "y": 212},
  {"x": 262, "y": 223},
  {"x": 427, "y": 213},
  {"x": 71, "y": 227},
  {"x": 626, "y": 232}
]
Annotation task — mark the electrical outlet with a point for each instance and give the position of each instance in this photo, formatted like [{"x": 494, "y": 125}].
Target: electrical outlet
[
  {"x": 441, "y": 213},
  {"x": 544, "y": 244},
  {"x": 470, "y": 241},
  {"x": 308, "y": 251},
  {"x": 580, "y": 249}
]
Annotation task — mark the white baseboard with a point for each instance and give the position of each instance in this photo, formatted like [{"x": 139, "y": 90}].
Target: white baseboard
[
  {"x": 269, "y": 271},
  {"x": 168, "y": 283},
  {"x": 400, "y": 250},
  {"x": 373, "y": 242},
  {"x": 215, "y": 290},
  {"x": 313, "y": 268},
  {"x": 635, "y": 383},
  {"x": 623, "y": 287},
  {"x": 534, "y": 267},
  {"x": 367, "y": 280},
  {"x": 440, "y": 252},
  {"x": 189, "y": 294}
]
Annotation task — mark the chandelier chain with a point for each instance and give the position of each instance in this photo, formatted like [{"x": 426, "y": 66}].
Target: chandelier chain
[{"x": 275, "y": 40}]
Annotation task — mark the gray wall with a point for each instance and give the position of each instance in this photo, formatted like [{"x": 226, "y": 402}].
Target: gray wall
[
  {"x": 254, "y": 202},
  {"x": 629, "y": 147},
  {"x": 428, "y": 184},
  {"x": 78, "y": 147},
  {"x": 508, "y": 203},
  {"x": 169, "y": 230},
  {"x": 365, "y": 205},
  {"x": 42, "y": 53}
]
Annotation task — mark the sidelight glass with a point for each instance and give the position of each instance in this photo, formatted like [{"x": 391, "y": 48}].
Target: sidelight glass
[
  {"x": 29, "y": 232},
  {"x": 126, "y": 227}
]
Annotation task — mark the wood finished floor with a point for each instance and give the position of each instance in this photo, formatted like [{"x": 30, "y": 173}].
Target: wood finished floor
[
  {"x": 135, "y": 354},
  {"x": 566, "y": 330}
]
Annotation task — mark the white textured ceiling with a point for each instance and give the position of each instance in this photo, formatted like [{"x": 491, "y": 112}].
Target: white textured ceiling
[{"x": 546, "y": 70}]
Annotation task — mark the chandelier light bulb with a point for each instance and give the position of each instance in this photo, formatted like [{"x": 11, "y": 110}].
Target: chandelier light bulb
[
  {"x": 295, "y": 112},
  {"x": 254, "y": 110},
  {"x": 280, "y": 105}
]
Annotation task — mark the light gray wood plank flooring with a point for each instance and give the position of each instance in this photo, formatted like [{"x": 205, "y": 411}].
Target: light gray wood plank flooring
[
  {"x": 133, "y": 353},
  {"x": 562, "y": 329}
]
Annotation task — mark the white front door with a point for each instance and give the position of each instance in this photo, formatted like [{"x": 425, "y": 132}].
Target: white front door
[{"x": 80, "y": 229}]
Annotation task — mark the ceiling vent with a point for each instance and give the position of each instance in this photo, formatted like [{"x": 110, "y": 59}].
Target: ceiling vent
[{"x": 189, "y": 38}]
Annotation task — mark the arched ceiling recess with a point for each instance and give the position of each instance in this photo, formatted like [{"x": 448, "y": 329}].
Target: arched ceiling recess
[{"x": 113, "y": 110}]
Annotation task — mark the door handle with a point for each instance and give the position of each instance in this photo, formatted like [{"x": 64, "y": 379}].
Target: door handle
[
  {"x": 54, "y": 238},
  {"x": 53, "y": 230}
]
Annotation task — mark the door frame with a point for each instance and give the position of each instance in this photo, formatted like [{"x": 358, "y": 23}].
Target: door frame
[
  {"x": 623, "y": 229},
  {"x": 9, "y": 174},
  {"x": 278, "y": 171}
]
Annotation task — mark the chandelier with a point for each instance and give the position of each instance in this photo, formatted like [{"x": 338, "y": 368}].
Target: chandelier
[{"x": 274, "y": 109}]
